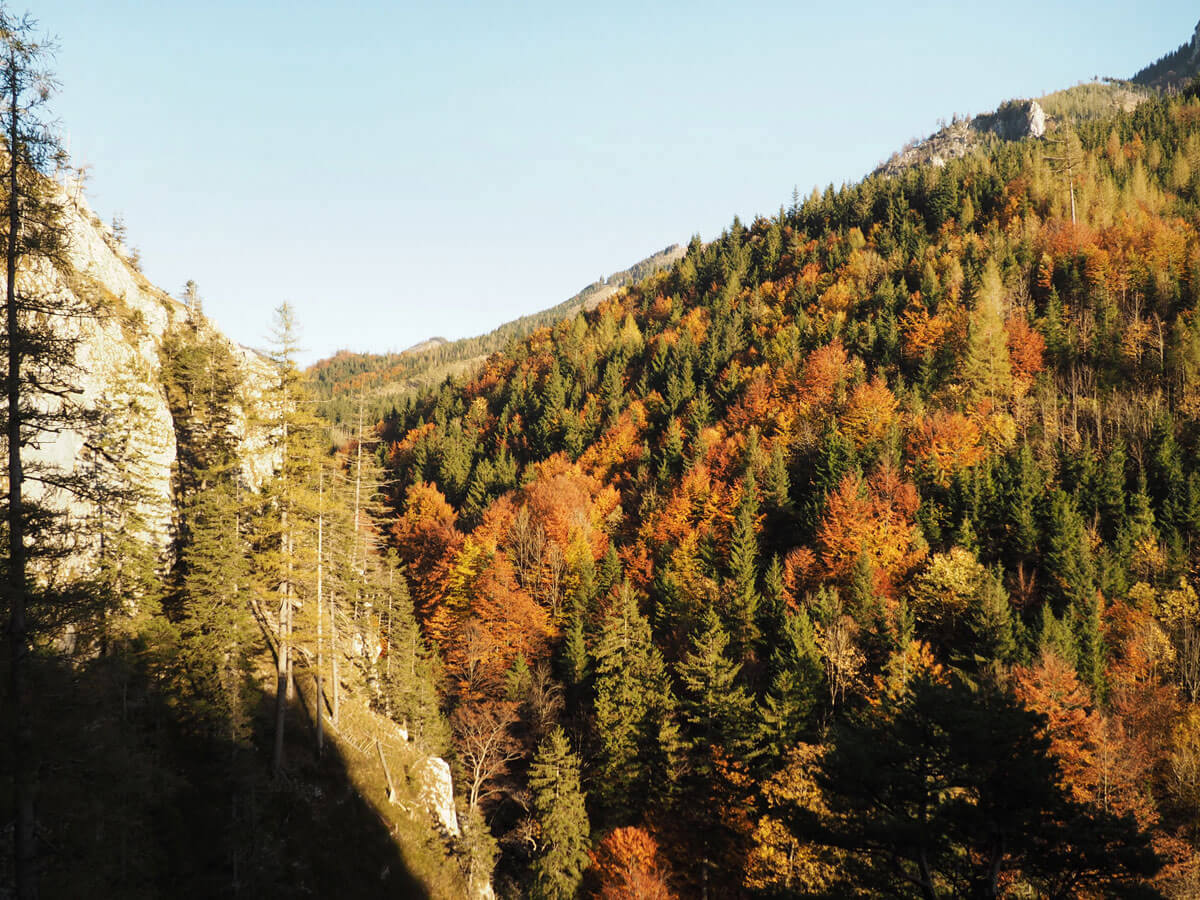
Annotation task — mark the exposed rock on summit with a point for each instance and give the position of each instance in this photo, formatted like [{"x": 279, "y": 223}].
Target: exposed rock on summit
[{"x": 1012, "y": 121}]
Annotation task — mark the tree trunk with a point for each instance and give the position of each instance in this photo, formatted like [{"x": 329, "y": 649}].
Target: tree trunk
[
  {"x": 24, "y": 761},
  {"x": 333, "y": 656},
  {"x": 281, "y": 668},
  {"x": 357, "y": 490},
  {"x": 320, "y": 611},
  {"x": 387, "y": 772},
  {"x": 291, "y": 615}
]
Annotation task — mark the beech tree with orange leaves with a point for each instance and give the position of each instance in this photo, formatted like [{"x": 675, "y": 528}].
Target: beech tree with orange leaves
[
  {"x": 627, "y": 864},
  {"x": 871, "y": 518},
  {"x": 427, "y": 538}
]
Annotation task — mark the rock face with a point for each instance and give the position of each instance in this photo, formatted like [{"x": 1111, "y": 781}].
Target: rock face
[
  {"x": 118, "y": 369},
  {"x": 1012, "y": 121},
  {"x": 437, "y": 792}
]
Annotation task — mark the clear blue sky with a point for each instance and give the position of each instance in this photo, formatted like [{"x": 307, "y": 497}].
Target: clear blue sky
[{"x": 400, "y": 170}]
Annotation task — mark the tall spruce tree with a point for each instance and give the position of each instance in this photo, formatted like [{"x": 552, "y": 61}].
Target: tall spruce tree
[
  {"x": 796, "y": 672},
  {"x": 562, "y": 820},
  {"x": 716, "y": 710},
  {"x": 409, "y": 670},
  {"x": 216, "y": 629},
  {"x": 634, "y": 718},
  {"x": 742, "y": 590}
]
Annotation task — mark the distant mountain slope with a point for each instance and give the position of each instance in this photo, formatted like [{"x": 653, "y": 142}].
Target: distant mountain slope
[
  {"x": 385, "y": 377},
  {"x": 1014, "y": 120},
  {"x": 1173, "y": 70}
]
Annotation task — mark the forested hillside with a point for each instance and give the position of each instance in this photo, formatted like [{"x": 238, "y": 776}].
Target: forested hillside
[
  {"x": 854, "y": 555},
  {"x": 1173, "y": 70},
  {"x": 383, "y": 381}
]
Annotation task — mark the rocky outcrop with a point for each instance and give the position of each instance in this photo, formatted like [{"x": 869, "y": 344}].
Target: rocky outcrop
[
  {"x": 1012, "y": 121},
  {"x": 436, "y": 788},
  {"x": 118, "y": 381}
]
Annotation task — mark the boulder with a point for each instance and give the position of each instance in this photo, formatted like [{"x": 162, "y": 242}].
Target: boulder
[{"x": 437, "y": 792}]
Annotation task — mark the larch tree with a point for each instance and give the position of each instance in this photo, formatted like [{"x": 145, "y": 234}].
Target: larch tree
[
  {"x": 987, "y": 368},
  {"x": 39, "y": 363},
  {"x": 293, "y": 493}
]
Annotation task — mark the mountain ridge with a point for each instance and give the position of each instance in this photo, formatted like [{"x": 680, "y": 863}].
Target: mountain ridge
[{"x": 389, "y": 378}]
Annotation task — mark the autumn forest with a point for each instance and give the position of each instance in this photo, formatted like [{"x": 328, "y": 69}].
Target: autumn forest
[{"x": 852, "y": 553}]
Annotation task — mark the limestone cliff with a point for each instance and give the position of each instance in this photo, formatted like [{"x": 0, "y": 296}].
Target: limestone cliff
[{"x": 118, "y": 374}]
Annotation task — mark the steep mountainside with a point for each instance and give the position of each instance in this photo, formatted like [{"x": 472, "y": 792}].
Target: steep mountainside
[
  {"x": 155, "y": 623},
  {"x": 1174, "y": 70},
  {"x": 855, "y": 555},
  {"x": 118, "y": 350}
]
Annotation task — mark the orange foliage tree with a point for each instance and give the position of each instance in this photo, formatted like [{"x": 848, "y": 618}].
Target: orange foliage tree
[
  {"x": 1026, "y": 349},
  {"x": 427, "y": 540},
  {"x": 627, "y": 864},
  {"x": 872, "y": 518},
  {"x": 1101, "y": 764},
  {"x": 945, "y": 443},
  {"x": 870, "y": 413}
]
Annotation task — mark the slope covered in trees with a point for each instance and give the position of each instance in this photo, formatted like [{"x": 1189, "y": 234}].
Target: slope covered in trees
[
  {"x": 195, "y": 702},
  {"x": 386, "y": 380},
  {"x": 1175, "y": 69},
  {"x": 855, "y": 554}
]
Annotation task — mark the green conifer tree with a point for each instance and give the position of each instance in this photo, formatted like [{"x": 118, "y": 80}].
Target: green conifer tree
[
  {"x": 993, "y": 644},
  {"x": 716, "y": 710},
  {"x": 1069, "y": 566},
  {"x": 216, "y": 630},
  {"x": 634, "y": 710},
  {"x": 563, "y": 827},
  {"x": 1055, "y": 636},
  {"x": 742, "y": 590},
  {"x": 796, "y": 673},
  {"x": 409, "y": 673}
]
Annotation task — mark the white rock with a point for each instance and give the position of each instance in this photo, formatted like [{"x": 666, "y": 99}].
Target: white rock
[
  {"x": 437, "y": 792},
  {"x": 1035, "y": 121},
  {"x": 482, "y": 890}
]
